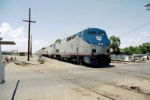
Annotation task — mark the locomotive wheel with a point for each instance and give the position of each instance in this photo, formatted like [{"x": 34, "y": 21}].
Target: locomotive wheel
[
  {"x": 81, "y": 63},
  {"x": 79, "y": 60},
  {"x": 68, "y": 59}
]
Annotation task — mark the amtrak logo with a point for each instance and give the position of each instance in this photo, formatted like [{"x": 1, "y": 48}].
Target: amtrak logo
[
  {"x": 72, "y": 45},
  {"x": 99, "y": 38}
]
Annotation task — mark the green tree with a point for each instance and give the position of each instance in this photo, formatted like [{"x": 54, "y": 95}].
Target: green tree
[
  {"x": 142, "y": 49},
  {"x": 127, "y": 51},
  {"x": 115, "y": 43},
  {"x": 137, "y": 50},
  {"x": 133, "y": 49},
  {"x": 147, "y": 46},
  {"x": 57, "y": 40}
]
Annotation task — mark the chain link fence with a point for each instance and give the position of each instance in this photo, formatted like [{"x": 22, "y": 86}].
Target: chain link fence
[{"x": 122, "y": 57}]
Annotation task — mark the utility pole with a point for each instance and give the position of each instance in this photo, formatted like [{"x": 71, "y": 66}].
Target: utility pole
[
  {"x": 29, "y": 33},
  {"x": 31, "y": 47}
]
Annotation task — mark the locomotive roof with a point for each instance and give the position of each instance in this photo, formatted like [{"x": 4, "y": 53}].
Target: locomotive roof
[
  {"x": 97, "y": 29},
  {"x": 94, "y": 29}
]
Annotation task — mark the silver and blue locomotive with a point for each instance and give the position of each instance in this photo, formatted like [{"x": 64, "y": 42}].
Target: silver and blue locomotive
[{"x": 90, "y": 46}]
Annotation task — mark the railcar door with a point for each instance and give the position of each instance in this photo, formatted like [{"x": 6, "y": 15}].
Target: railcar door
[
  {"x": 53, "y": 49},
  {"x": 80, "y": 43},
  {"x": 77, "y": 44}
]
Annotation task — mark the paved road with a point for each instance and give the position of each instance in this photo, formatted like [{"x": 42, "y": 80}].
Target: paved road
[{"x": 58, "y": 80}]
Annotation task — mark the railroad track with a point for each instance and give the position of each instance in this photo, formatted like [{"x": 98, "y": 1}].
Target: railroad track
[
  {"x": 128, "y": 73},
  {"x": 78, "y": 79},
  {"x": 77, "y": 82},
  {"x": 119, "y": 72}
]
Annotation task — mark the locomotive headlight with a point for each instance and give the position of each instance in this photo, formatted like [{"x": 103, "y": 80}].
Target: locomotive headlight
[{"x": 100, "y": 43}]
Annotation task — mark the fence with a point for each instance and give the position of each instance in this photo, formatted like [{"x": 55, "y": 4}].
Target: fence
[
  {"x": 123, "y": 56},
  {"x": 118, "y": 57}
]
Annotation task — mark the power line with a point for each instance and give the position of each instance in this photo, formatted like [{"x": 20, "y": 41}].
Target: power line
[
  {"x": 134, "y": 29},
  {"x": 148, "y": 5},
  {"x": 137, "y": 15},
  {"x": 123, "y": 22},
  {"x": 119, "y": 2}
]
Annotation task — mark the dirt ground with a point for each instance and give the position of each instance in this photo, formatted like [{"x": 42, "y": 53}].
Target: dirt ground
[{"x": 62, "y": 80}]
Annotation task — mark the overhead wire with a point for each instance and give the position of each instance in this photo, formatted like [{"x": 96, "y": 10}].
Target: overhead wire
[
  {"x": 134, "y": 29},
  {"x": 128, "y": 19},
  {"x": 118, "y": 2}
]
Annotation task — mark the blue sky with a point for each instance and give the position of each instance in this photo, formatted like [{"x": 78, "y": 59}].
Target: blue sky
[{"x": 62, "y": 18}]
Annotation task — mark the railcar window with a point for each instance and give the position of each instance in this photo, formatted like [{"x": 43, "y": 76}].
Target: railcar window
[
  {"x": 57, "y": 50},
  {"x": 101, "y": 33},
  {"x": 81, "y": 34},
  {"x": 73, "y": 37},
  {"x": 91, "y": 32},
  {"x": 68, "y": 39},
  {"x": 43, "y": 48}
]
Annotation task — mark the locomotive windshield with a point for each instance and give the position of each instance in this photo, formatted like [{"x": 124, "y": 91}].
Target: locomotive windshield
[
  {"x": 91, "y": 32},
  {"x": 94, "y": 32},
  {"x": 101, "y": 33}
]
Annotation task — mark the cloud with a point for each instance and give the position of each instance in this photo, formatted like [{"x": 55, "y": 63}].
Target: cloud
[
  {"x": 17, "y": 35},
  {"x": 123, "y": 45},
  {"x": 8, "y": 32},
  {"x": 38, "y": 44},
  {"x": 145, "y": 34},
  {"x": 123, "y": 39},
  {"x": 135, "y": 40}
]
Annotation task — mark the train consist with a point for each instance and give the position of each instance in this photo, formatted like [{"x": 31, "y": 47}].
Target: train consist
[{"x": 90, "y": 46}]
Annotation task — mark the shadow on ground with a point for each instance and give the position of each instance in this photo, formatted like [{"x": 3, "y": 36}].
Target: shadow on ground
[
  {"x": 86, "y": 65},
  {"x": 102, "y": 66}
]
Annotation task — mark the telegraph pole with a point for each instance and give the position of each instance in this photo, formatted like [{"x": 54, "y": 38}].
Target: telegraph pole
[
  {"x": 31, "y": 47},
  {"x": 29, "y": 32}
]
